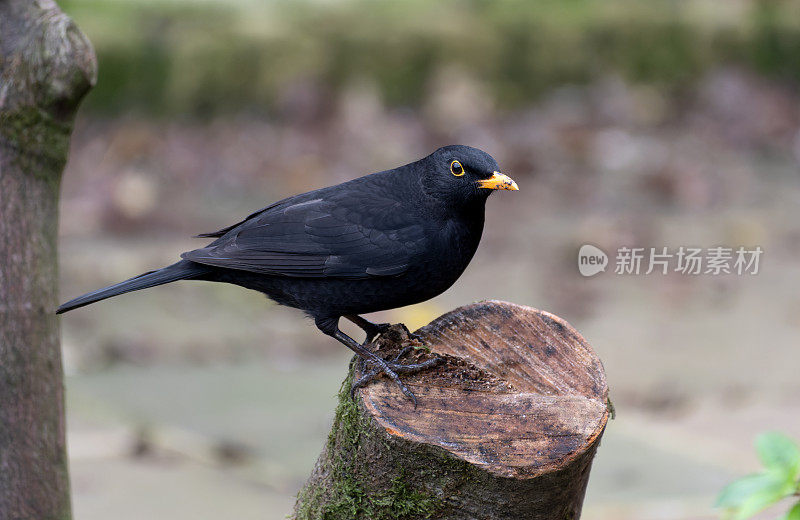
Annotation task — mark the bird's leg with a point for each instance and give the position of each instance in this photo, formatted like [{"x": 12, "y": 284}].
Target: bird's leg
[
  {"x": 372, "y": 329},
  {"x": 330, "y": 326}
]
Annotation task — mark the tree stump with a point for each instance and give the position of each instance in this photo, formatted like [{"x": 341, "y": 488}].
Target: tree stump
[{"x": 505, "y": 428}]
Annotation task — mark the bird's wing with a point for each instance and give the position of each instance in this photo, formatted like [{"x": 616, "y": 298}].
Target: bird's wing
[
  {"x": 223, "y": 231},
  {"x": 342, "y": 235}
]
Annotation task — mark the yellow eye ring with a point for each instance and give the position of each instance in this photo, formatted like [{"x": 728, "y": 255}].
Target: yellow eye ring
[{"x": 456, "y": 169}]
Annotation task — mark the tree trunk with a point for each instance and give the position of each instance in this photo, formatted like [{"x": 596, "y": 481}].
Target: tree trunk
[
  {"x": 505, "y": 428},
  {"x": 46, "y": 67}
]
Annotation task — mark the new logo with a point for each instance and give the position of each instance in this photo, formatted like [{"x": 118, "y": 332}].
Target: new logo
[{"x": 591, "y": 260}]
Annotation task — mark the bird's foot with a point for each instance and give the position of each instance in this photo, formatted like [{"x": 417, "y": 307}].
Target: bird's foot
[
  {"x": 392, "y": 369},
  {"x": 413, "y": 336},
  {"x": 375, "y": 329},
  {"x": 399, "y": 333}
]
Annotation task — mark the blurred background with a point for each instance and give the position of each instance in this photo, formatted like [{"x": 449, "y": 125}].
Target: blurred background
[{"x": 625, "y": 123}]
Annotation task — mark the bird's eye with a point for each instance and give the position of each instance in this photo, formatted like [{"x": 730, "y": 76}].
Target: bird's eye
[{"x": 456, "y": 169}]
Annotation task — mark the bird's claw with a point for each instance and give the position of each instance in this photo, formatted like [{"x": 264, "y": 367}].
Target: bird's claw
[{"x": 392, "y": 369}]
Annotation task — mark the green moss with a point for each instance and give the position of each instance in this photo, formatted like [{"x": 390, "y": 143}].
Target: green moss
[
  {"x": 347, "y": 422},
  {"x": 349, "y": 500},
  {"x": 41, "y": 143},
  {"x": 349, "y": 495},
  {"x": 400, "y": 501},
  {"x": 403, "y": 501}
]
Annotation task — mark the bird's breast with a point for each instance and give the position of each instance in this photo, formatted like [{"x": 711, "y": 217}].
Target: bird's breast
[{"x": 449, "y": 251}]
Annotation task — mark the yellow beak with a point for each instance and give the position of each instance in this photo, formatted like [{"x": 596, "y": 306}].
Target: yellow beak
[{"x": 498, "y": 181}]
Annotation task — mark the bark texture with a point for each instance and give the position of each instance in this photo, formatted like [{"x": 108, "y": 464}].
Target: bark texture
[
  {"x": 505, "y": 428},
  {"x": 46, "y": 67}
]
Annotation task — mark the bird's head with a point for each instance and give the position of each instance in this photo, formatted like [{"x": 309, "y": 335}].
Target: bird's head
[{"x": 463, "y": 176}]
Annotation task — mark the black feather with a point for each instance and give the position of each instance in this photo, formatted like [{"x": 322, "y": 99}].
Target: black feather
[{"x": 182, "y": 270}]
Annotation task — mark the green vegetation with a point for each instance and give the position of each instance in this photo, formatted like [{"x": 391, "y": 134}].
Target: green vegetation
[
  {"x": 205, "y": 57},
  {"x": 780, "y": 479},
  {"x": 348, "y": 496},
  {"x": 40, "y": 139}
]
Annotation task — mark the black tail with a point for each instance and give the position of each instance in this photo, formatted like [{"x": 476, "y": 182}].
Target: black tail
[{"x": 183, "y": 270}]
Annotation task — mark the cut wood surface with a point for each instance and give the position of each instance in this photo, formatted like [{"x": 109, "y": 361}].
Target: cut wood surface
[{"x": 505, "y": 427}]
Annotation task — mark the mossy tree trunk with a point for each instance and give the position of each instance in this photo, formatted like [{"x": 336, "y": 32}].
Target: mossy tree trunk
[
  {"x": 505, "y": 428},
  {"x": 46, "y": 67}
]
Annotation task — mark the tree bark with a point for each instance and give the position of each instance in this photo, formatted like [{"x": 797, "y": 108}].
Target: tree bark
[
  {"x": 505, "y": 428},
  {"x": 46, "y": 67}
]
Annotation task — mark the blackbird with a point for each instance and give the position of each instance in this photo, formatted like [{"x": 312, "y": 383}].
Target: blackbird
[{"x": 381, "y": 241}]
